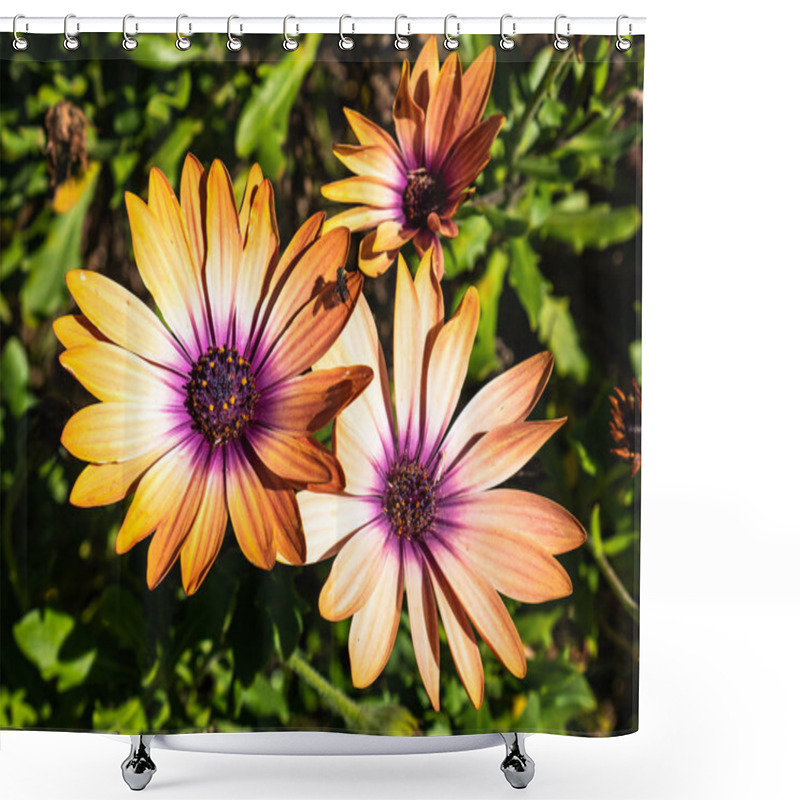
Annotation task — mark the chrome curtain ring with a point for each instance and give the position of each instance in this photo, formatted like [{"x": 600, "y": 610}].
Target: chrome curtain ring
[
  {"x": 128, "y": 42},
  {"x": 234, "y": 44},
  {"x": 346, "y": 42},
  {"x": 289, "y": 42},
  {"x": 181, "y": 42},
  {"x": 506, "y": 42},
  {"x": 20, "y": 42},
  {"x": 623, "y": 44},
  {"x": 71, "y": 42},
  {"x": 451, "y": 42},
  {"x": 560, "y": 43},
  {"x": 401, "y": 42}
]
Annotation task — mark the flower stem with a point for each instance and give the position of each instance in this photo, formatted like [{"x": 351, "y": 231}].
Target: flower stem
[
  {"x": 621, "y": 593},
  {"x": 332, "y": 697}
]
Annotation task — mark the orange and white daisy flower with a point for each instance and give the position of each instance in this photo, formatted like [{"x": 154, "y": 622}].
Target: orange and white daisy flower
[
  {"x": 410, "y": 192},
  {"x": 419, "y": 510},
  {"x": 207, "y": 415}
]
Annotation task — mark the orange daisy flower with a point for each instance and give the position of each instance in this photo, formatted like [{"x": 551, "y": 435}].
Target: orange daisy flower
[
  {"x": 410, "y": 192},
  {"x": 419, "y": 510},
  {"x": 206, "y": 415}
]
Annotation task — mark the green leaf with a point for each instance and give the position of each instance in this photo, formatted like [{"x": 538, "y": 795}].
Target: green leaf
[
  {"x": 506, "y": 224},
  {"x": 462, "y": 252},
  {"x": 159, "y": 53},
  {"x": 483, "y": 358},
  {"x": 14, "y": 711},
  {"x": 551, "y": 113},
  {"x": 266, "y": 697},
  {"x": 558, "y": 332},
  {"x": 45, "y": 290},
  {"x": 14, "y": 374},
  {"x": 526, "y": 279},
  {"x": 41, "y": 635},
  {"x": 635, "y": 354},
  {"x": 265, "y": 116},
  {"x": 169, "y": 157},
  {"x": 597, "y": 227},
  {"x": 128, "y": 718}
]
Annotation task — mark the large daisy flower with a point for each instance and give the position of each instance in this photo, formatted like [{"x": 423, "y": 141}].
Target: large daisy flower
[
  {"x": 419, "y": 510},
  {"x": 410, "y": 192},
  {"x": 206, "y": 414}
]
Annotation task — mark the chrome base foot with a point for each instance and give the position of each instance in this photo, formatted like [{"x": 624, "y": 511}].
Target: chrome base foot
[
  {"x": 517, "y": 766},
  {"x": 138, "y": 768}
]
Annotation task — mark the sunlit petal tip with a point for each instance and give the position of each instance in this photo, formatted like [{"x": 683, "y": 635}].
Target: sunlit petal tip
[{"x": 374, "y": 262}]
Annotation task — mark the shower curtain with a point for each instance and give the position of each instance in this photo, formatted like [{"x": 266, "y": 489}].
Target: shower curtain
[{"x": 321, "y": 384}]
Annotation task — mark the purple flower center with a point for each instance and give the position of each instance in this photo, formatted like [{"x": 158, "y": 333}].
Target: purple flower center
[
  {"x": 409, "y": 501},
  {"x": 421, "y": 197},
  {"x": 221, "y": 394}
]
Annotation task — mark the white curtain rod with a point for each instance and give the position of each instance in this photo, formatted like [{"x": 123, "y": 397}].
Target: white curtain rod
[{"x": 298, "y": 25}]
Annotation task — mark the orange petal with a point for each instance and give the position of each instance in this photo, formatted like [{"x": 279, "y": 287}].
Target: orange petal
[
  {"x": 204, "y": 539},
  {"x": 254, "y": 180},
  {"x": 370, "y": 134},
  {"x": 124, "y": 319},
  {"x": 460, "y": 638},
  {"x": 360, "y": 218},
  {"x": 367, "y": 191},
  {"x": 120, "y": 431},
  {"x": 512, "y": 561},
  {"x": 298, "y": 460},
  {"x": 508, "y": 398},
  {"x": 375, "y": 161},
  {"x": 409, "y": 123},
  {"x": 111, "y": 373},
  {"x": 103, "y": 484},
  {"x": 314, "y": 328},
  {"x": 484, "y": 607},
  {"x": 290, "y": 540},
  {"x": 74, "y": 330},
  {"x": 250, "y": 504},
  {"x": 442, "y": 113},
  {"x": 307, "y": 233},
  {"x": 543, "y": 522},
  {"x": 476, "y": 85},
  {"x": 498, "y": 455},
  {"x": 374, "y": 626},
  {"x": 163, "y": 260},
  {"x": 471, "y": 154},
  {"x": 193, "y": 191},
  {"x": 408, "y": 351},
  {"x": 224, "y": 249},
  {"x": 171, "y": 533},
  {"x": 424, "y": 623},
  {"x": 431, "y": 304},
  {"x": 392, "y": 235},
  {"x": 303, "y": 405},
  {"x": 373, "y": 262},
  {"x": 424, "y": 73},
  {"x": 155, "y": 497},
  {"x": 329, "y": 519},
  {"x": 356, "y": 571},
  {"x": 448, "y": 367}
]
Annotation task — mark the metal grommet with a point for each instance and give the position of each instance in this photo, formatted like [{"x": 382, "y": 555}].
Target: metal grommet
[
  {"x": 71, "y": 42},
  {"x": 181, "y": 42},
  {"x": 234, "y": 44},
  {"x": 506, "y": 42},
  {"x": 560, "y": 43},
  {"x": 346, "y": 42},
  {"x": 451, "y": 42},
  {"x": 401, "y": 42},
  {"x": 128, "y": 42},
  {"x": 20, "y": 43},
  {"x": 289, "y": 42},
  {"x": 623, "y": 44}
]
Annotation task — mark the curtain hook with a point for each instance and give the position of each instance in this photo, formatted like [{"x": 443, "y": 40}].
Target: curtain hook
[
  {"x": 451, "y": 42},
  {"x": 346, "y": 42},
  {"x": 623, "y": 44},
  {"x": 506, "y": 42},
  {"x": 401, "y": 42},
  {"x": 234, "y": 44},
  {"x": 289, "y": 42},
  {"x": 71, "y": 42},
  {"x": 560, "y": 43},
  {"x": 182, "y": 43},
  {"x": 20, "y": 42},
  {"x": 128, "y": 42}
]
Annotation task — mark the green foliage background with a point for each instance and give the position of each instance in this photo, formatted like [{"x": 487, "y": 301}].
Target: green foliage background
[{"x": 551, "y": 240}]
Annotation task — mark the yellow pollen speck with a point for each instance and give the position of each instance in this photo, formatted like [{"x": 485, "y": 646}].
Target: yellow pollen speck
[
  {"x": 241, "y": 361},
  {"x": 210, "y": 406},
  {"x": 233, "y": 399},
  {"x": 244, "y": 381},
  {"x": 230, "y": 359},
  {"x": 205, "y": 383},
  {"x": 211, "y": 365},
  {"x": 224, "y": 406}
]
